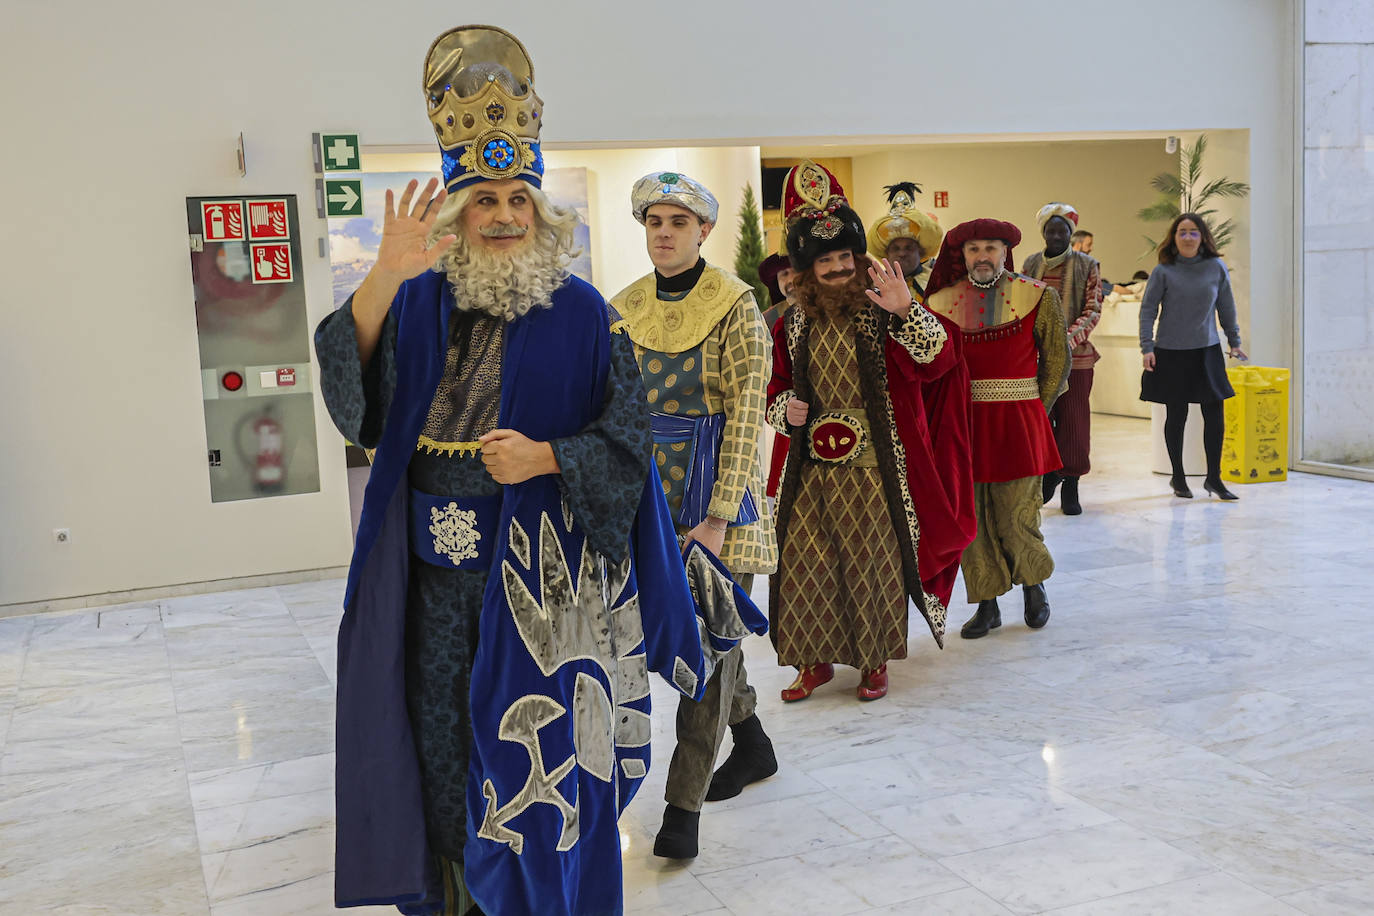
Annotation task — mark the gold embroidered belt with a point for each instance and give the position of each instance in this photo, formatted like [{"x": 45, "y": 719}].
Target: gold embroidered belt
[
  {"x": 1006, "y": 389},
  {"x": 842, "y": 437}
]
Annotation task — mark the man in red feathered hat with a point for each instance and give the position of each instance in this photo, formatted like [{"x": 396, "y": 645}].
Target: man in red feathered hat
[
  {"x": 875, "y": 505},
  {"x": 1018, "y": 361}
]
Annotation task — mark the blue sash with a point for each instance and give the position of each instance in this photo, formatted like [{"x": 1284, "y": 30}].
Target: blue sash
[{"x": 705, "y": 434}]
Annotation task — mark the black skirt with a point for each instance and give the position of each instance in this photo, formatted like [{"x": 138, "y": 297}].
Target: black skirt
[{"x": 1187, "y": 376}]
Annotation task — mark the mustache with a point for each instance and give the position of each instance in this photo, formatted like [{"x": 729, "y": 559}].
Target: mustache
[
  {"x": 504, "y": 232},
  {"x": 987, "y": 264},
  {"x": 838, "y": 274}
]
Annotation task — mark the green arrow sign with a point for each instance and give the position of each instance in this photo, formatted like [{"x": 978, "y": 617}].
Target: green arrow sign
[
  {"x": 343, "y": 197},
  {"x": 339, "y": 152}
]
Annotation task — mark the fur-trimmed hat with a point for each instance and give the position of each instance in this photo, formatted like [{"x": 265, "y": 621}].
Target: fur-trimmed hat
[{"x": 819, "y": 218}]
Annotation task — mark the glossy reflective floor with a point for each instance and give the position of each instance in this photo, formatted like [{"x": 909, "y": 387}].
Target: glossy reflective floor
[{"x": 1190, "y": 734}]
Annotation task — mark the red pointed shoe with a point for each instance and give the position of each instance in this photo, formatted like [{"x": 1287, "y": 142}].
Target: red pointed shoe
[
  {"x": 808, "y": 679},
  {"x": 873, "y": 684}
]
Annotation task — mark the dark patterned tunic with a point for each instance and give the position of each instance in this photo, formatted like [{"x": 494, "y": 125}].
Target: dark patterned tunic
[{"x": 842, "y": 599}]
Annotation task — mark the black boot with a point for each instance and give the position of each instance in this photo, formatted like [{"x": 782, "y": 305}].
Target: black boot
[
  {"x": 1218, "y": 489},
  {"x": 677, "y": 838},
  {"x": 1037, "y": 606},
  {"x": 1180, "y": 485},
  {"x": 1068, "y": 499},
  {"x": 750, "y": 760},
  {"x": 988, "y": 617},
  {"x": 1048, "y": 484}
]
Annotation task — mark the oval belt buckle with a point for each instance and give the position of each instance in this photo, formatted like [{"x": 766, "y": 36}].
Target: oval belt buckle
[{"x": 836, "y": 439}]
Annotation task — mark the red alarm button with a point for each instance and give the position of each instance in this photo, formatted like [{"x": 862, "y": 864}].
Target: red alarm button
[{"x": 231, "y": 380}]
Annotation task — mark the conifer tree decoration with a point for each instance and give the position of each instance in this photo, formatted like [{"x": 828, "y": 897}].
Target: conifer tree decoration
[{"x": 749, "y": 253}]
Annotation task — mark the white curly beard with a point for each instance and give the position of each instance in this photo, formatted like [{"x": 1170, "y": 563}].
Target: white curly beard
[{"x": 509, "y": 283}]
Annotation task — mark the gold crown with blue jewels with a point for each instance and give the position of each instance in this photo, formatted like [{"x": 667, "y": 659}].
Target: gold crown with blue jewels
[{"x": 479, "y": 87}]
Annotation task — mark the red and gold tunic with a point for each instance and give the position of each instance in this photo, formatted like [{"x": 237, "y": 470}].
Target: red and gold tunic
[{"x": 1018, "y": 360}]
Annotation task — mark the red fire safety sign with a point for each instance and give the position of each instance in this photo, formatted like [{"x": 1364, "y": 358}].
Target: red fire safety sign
[
  {"x": 272, "y": 263},
  {"x": 222, "y": 220},
  {"x": 267, "y": 220}
]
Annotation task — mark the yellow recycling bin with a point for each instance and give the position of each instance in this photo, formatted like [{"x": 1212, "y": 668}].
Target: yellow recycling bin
[{"x": 1255, "y": 448}]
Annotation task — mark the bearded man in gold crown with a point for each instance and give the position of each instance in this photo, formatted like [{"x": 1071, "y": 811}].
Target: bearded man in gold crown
[{"x": 516, "y": 575}]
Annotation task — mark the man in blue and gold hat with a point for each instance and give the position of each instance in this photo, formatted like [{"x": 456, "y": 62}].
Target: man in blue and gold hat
[
  {"x": 702, "y": 348},
  {"x": 516, "y": 575}
]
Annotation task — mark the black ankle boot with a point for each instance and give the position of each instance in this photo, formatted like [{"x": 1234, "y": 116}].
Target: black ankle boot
[
  {"x": 1180, "y": 485},
  {"x": 988, "y": 617},
  {"x": 751, "y": 760},
  {"x": 1048, "y": 484},
  {"x": 1068, "y": 498},
  {"x": 1037, "y": 606},
  {"x": 677, "y": 838},
  {"x": 1218, "y": 489}
]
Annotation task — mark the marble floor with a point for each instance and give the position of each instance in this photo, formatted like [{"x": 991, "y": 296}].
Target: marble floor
[{"x": 1191, "y": 734}]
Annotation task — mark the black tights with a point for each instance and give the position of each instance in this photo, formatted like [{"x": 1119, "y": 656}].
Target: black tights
[{"x": 1213, "y": 426}]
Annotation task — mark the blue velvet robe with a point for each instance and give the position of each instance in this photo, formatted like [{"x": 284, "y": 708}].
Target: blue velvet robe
[{"x": 567, "y": 632}]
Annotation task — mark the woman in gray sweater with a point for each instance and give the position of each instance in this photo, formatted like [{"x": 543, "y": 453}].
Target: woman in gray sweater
[{"x": 1190, "y": 293}]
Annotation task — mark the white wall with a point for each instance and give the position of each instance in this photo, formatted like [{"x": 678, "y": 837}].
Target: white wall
[
  {"x": 1338, "y": 270},
  {"x": 115, "y": 113}
]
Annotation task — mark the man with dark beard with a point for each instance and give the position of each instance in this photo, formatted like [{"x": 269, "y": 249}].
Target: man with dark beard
[
  {"x": 876, "y": 499},
  {"x": 501, "y": 616},
  {"x": 1077, "y": 278},
  {"x": 1018, "y": 360}
]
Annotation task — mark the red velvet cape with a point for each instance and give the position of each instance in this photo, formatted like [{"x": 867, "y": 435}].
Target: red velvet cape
[{"x": 934, "y": 421}]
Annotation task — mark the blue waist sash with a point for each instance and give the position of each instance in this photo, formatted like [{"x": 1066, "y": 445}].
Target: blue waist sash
[
  {"x": 454, "y": 533},
  {"x": 705, "y": 434}
]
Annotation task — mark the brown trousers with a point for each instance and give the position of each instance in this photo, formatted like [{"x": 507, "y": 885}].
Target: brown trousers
[
  {"x": 1009, "y": 549},
  {"x": 729, "y": 700}
]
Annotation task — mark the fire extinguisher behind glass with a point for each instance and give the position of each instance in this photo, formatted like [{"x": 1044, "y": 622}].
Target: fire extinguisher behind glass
[{"x": 266, "y": 456}]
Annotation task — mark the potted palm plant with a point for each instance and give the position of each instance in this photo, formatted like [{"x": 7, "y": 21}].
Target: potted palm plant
[{"x": 1186, "y": 192}]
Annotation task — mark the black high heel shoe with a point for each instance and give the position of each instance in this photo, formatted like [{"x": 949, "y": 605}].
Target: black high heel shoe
[
  {"x": 1180, "y": 485},
  {"x": 1218, "y": 489}
]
